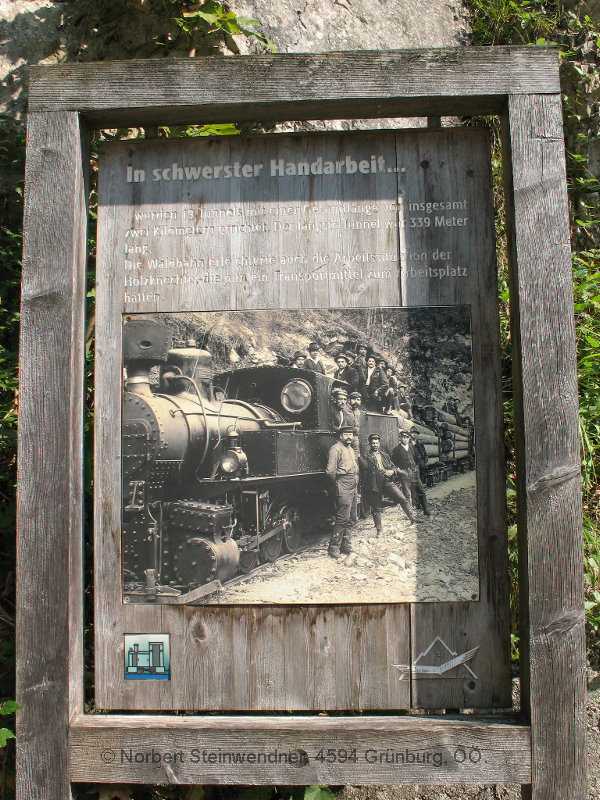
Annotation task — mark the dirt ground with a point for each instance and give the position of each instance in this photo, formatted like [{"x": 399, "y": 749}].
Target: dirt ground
[
  {"x": 593, "y": 720},
  {"x": 434, "y": 560}
]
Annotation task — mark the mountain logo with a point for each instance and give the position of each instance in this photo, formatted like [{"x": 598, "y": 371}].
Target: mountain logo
[{"x": 436, "y": 661}]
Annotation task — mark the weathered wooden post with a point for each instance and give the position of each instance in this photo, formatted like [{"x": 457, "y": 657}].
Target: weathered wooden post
[{"x": 398, "y": 221}]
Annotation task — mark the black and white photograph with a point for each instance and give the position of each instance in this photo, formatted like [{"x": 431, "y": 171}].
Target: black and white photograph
[{"x": 315, "y": 456}]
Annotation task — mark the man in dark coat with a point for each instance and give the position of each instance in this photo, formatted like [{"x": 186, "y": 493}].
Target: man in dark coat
[
  {"x": 386, "y": 394},
  {"x": 361, "y": 357},
  {"x": 375, "y": 383},
  {"x": 377, "y": 474},
  {"x": 342, "y": 473},
  {"x": 354, "y": 416},
  {"x": 340, "y": 411},
  {"x": 313, "y": 362},
  {"x": 404, "y": 399},
  {"x": 406, "y": 459},
  {"x": 346, "y": 373},
  {"x": 421, "y": 458}
]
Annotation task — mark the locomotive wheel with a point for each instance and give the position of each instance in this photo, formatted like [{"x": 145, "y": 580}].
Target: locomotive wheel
[
  {"x": 292, "y": 533},
  {"x": 248, "y": 560},
  {"x": 271, "y": 548}
]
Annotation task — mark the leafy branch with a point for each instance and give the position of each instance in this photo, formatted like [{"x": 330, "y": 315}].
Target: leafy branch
[
  {"x": 212, "y": 17},
  {"x": 7, "y": 707}
]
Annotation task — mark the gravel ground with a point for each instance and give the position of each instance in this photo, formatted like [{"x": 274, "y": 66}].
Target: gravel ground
[{"x": 434, "y": 560}]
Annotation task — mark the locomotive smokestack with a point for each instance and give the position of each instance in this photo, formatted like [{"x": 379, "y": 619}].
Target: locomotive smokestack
[{"x": 138, "y": 378}]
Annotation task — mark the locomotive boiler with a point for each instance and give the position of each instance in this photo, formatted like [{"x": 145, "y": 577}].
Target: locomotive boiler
[{"x": 210, "y": 487}]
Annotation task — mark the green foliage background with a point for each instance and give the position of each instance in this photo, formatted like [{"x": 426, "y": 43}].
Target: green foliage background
[
  {"x": 573, "y": 29},
  {"x": 187, "y": 28}
]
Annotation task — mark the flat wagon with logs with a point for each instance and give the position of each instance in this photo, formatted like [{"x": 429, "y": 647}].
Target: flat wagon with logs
[{"x": 446, "y": 439}]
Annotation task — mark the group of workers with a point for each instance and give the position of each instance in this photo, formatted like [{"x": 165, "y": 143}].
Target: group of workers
[
  {"x": 364, "y": 372},
  {"x": 375, "y": 475}
]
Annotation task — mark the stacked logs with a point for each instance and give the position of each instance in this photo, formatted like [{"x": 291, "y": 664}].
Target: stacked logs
[{"x": 449, "y": 445}]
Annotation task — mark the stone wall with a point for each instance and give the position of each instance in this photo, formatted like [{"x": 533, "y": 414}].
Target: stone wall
[{"x": 53, "y": 31}]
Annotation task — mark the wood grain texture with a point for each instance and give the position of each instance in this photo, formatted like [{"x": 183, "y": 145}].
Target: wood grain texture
[
  {"x": 467, "y": 750},
  {"x": 49, "y": 541},
  {"x": 240, "y": 227},
  {"x": 549, "y": 495},
  {"x": 49, "y": 508},
  {"x": 325, "y": 86},
  {"x": 304, "y": 658},
  {"x": 451, "y": 167},
  {"x": 233, "y": 658}
]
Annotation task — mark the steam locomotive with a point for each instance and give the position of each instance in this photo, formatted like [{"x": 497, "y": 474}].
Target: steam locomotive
[{"x": 211, "y": 485}]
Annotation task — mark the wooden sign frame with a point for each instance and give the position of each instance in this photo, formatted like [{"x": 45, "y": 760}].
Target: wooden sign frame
[{"x": 58, "y": 743}]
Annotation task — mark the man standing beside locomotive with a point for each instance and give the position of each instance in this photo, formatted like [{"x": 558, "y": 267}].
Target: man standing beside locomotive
[
  {"x": 378, "y": 472},
  {"x": 340, "y": 410},
  {"x": 406, "y": 459},
  {"x": 342, "y": 472}
]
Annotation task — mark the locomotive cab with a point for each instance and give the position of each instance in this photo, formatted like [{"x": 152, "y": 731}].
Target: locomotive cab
[{"x": 297, "y": 395}]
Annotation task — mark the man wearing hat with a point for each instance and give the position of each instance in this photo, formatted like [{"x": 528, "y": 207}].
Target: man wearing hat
[
  {"x": 353, "y": 365},
  {"x": 390, "y": 374},
  {"x": 313, "y": 362},
  {"x": 298, "y": 360},
  {"x": 351, "y": 356},
  {"x": 406, "y": 459},
  {"x": 378, "y": 472},
  {"x": 360, "y": 365},
  {"x": 354, "y": 416},
  {"x": 375, "y": 383},
  {"x": 387, "y": 393},
  {"x": 218, "y": 394},
  {"x": 340, "y": 411},
  {"x": 342, "y": 472},
  {"x": 345, "y": 372},
  {"x": 404, "y": 401}
]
